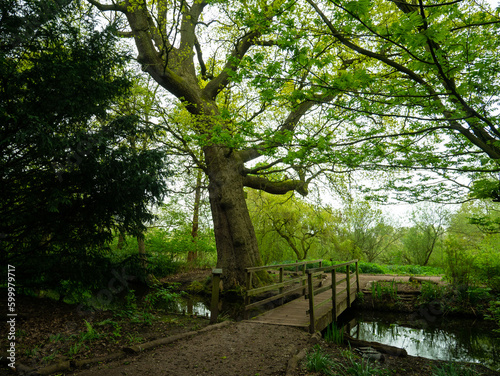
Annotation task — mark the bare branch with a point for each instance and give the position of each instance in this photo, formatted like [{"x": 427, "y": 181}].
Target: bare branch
[{"x": 199, "y": 54}]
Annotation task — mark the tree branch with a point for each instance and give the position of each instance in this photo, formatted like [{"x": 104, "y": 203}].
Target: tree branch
[
  {"x": 275, "y": 187},
  {"x": 215, "y": 86},
  {"x": 117, "y": 7},
  {"x": 288, "y": 126},
  {"x": 477, "y": 136}
]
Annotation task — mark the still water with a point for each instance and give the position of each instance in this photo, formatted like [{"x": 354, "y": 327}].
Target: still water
[
  {"x": 192, "y": 306},
  {"x": 445, "y": 339}
]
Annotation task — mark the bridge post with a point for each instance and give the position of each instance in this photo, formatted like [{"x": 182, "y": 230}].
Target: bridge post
[
  {"x": 311, "y": 303},
  {"x": 214, "y": 308},
  {"x": 357, "y": 277},
  {"x": 334, "y": 295},
  {"x": 348, "y": 281},
  {"x": 247, "y": 297},
  {"x": 282, "y": 300},
  {"x": 303, "y": 281}
]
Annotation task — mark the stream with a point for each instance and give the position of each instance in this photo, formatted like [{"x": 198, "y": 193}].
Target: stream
[{"x": 464, "y": 340}]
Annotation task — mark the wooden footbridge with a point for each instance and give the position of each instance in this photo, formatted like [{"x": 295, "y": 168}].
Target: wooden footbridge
[{"x": 324, "y": 293}]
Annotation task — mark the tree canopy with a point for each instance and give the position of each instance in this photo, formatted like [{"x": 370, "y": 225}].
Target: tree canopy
[
  {"x": 276, "y": 93},
  {"x": 427, "y": 72}
]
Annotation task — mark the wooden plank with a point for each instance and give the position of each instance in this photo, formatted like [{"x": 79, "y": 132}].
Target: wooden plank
[
  {"x": 271, "y": 298},
  {"x": 294, "y": 313}
]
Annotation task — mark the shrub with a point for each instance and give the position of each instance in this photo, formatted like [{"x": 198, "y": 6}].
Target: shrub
[
  {"x": 494, "y": 314},
  {"x": 162, "y": 265},
  {"x": 431, "y": 292},
  {"x": 486, "y": 267},
  {"x": 370, "y": 268}
]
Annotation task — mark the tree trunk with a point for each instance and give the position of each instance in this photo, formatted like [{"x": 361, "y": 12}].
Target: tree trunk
[
  {"x": 236, "y": 242},
  {"x": 121, "y": 240},
  {"x": 193, "y": 255},
  {"x": 142, "y": 255}
]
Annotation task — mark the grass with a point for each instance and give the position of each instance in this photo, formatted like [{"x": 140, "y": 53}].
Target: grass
[
  {"x": 453, "y": 369},
  {"x": 362, "y": 367},
  {"x": 134, "y": 338},
  {"x": 334, "y": 334},
  {"x": 371, "y": 268},
  {"x": 75, "y": 349},
  {"x": 318, "y": 361},
  {"x": 431, "y": 292},
  {"x": 374, "y": 268},
  {"x": 383, "y": 289},
  {"x": 56, "y": 338},
  {"x": 49, "y": 358}
]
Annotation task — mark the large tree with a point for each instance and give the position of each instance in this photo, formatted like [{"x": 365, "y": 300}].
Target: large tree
[
  {"x": 252, "y": 77},
  {"x": 69, "y": 177},
  {"x": 235, "y": 114}
]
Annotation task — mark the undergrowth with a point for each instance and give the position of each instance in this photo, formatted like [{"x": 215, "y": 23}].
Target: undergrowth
[{"x": 318, "y": 361}]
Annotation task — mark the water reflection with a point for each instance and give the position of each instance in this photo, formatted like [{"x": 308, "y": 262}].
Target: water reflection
[
  {"x": 456, "y": 340},
  {"x": 192, "y": 307},
  {"x": 200, "y": 306}
]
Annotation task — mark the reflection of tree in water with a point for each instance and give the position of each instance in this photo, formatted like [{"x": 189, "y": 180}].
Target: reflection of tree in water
[{"x": 457, "y": 340}]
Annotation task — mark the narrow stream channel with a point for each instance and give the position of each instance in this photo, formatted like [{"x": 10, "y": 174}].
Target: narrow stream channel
[{"x": 445, "y": 339}]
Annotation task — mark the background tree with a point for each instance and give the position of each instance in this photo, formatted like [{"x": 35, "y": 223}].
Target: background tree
[
  {"x": 370, "y": 234},
  {"x": 420, "y": 241},
  {"x": 289, "y": 228},
  {"x": 68, "y": 175},
  {"x": 472, "y": 254}
]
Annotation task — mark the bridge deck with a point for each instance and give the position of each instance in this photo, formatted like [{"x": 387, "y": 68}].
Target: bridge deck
[{"x": 294, "y": 313}]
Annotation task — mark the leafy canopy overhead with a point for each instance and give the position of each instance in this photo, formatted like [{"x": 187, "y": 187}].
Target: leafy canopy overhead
[
  {"x": 431, "y": 76},
  {"x": 327, "y": 87}
]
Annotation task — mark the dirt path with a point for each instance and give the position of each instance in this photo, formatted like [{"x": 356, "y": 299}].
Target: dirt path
[
  {"x": 242, "y": 348},
  {"x": 364, "y": 279}
]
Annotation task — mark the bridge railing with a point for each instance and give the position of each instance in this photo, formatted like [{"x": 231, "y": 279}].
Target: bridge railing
[
  {"x": 281, "y": 286},
  {"x": 348, "y": 278}
]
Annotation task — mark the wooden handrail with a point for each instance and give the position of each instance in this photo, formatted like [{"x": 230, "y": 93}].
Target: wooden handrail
[
  {"x": 298, "y": 263},
  {"x": 280, "y": 286},
  {"x": 334, "y": 284}
]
